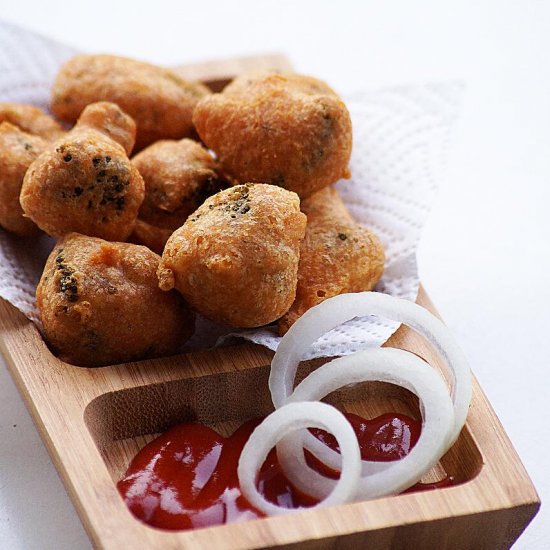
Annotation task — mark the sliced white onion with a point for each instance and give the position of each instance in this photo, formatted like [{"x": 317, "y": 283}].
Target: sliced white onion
[
  {"x": 284, "y": 421},
  {"x": 386, "y": 365},
  {"x": 339, "y": 309}
]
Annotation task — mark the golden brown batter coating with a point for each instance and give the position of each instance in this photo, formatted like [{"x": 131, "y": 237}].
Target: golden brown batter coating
[
  {"x": 158, "y": 99},
  {"x": 17, "y": 152},
  {"x": 109, "y": 119},
  {"x": 151, "y": 236},
  {"x": 235, "y": 260},
  {"x": 31, "y": 120},
  {"x": 286, "y": 130},
  {"x": 85, "y": 182},
  {"x": 337, "y": 255},
  {"x": 100, "y": 304},
  {"x": 179, "y": 176}
]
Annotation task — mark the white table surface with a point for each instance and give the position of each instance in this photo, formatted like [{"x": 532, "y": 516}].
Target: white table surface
[{"x": 485, "y": 254}]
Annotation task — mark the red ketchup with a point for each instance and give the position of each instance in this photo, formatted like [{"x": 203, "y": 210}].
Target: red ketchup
[{"x": 187, "y": 477}]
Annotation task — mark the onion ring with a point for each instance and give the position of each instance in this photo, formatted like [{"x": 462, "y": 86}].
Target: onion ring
[
  {"x": 386, "y": 365},
  {"x": 337, "y": 310},
  {"x": 284, "y": 421}
]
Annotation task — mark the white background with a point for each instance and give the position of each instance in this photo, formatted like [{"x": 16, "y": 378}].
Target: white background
[{"x": 485, "y": 254}]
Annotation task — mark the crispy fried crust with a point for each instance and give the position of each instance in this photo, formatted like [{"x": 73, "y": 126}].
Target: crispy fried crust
[
  {"x": 18, "y": 150},
  {"x": 31, "y": 119},
  {"x": 286, "y": 130},
  {"x": 109, "y": 119},
  {"x": 85, "y": 182},
  {"x": 235, "y": 259},
  {"x": 158, "y": 99},
  {"x": 179, "y": 176},
  {"x": 337, "y": 255},
  {"x": 100, "y": 304},
  {"x": 151, "y": 236}
]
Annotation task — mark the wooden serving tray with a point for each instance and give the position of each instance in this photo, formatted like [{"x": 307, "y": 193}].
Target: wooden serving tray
[{"x": 93, "y": 422}]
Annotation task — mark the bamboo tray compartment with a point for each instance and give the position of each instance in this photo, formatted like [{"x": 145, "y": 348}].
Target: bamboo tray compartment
[{"x": 93, "y": 422}]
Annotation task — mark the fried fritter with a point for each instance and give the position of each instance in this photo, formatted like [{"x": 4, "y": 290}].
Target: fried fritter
[
  {"x": 85, "y": 182},
  {"x": 337, "y": 255},
  {"x": 179, "y": 176},
  {"x": 100, "y": 304},
  {"x": 160, "y": 101},
  {"x": 31, "y": 119},
  {"x": 235, "y": 259},
  {"x": 287, "y": 130},
  {"x": 17, "y": 152}
]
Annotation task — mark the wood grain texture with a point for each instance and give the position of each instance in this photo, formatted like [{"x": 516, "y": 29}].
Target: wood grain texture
[
  {"x": 216, "y": 74},
  {"x": 93, "y": 421}
]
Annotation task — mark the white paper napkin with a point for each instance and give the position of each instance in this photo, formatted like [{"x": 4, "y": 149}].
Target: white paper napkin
[{"x": 400, "y": 137}]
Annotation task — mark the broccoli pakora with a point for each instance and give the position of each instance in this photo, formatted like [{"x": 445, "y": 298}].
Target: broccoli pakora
[
  {"x": 100, "y": 304},
  {"x": 178, "y": 176},
  {"x": 287, "y": 130},
  {"x": 235, "y": 259},
  {"x": 18, "y": 150},
  {"x": 84, "y": 182},
  {"x": 160, "y": 101},
  {"x": 337, "y": 255}
]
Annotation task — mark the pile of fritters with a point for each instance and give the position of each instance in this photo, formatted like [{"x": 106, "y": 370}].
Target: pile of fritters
[{"x": 242, "y": 226}]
